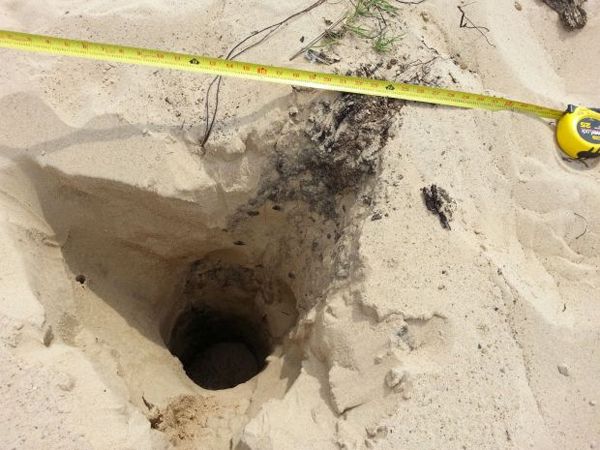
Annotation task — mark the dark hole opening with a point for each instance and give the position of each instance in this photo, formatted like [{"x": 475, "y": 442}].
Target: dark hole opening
[{"x": 218, "y": 349}]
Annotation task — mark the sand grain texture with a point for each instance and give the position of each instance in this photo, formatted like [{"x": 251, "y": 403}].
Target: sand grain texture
[{"x": 304, "y": 215}]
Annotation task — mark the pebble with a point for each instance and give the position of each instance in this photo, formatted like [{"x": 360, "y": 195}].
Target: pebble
[
  {"x": 65, "y": 382},
  {"x": 425, "y": 16},
  {"x": 395, "y": 377},
  {"x": 48, "y": 337},
  {"x": 518, "y": 6},
  {"x": 342, "y": 273},
  {"x": 592, "y": 403},
  {"x": 563, "y": 370},
  {"x": 379, "y": 432}
]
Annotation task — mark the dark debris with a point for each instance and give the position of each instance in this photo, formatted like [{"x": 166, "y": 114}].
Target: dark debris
[
  {"x": 571, "y": 12},
  {"x": 439, "y": 202}
]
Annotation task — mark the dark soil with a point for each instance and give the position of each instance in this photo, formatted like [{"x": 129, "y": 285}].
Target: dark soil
[
  {"x": 438, "y": 202},
  {"x": 571, "y": 12},
  {"x": 337, "y": 149}
]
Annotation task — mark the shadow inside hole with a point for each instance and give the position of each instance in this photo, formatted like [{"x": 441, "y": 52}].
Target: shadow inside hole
[{"x": 219, "y": 350}]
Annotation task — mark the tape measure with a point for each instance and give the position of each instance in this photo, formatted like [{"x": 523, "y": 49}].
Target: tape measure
[
  {"x": 578, "y": 132},
  {"x": 358, "y": 85}
]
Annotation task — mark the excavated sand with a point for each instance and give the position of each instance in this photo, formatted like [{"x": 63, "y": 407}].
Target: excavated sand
[{"x": 295, "y": 249}]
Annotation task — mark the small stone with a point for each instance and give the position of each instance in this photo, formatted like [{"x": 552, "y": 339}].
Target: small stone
[
  {"x": 379, "y": 432},
  {"x": 49, "y": 242},
  {"x": 425, "y": 16},
  {"x": 518, "y": 6},
  {"x": 394, "y": 378},
  {"x": 342, "y": 273},
  {"x": 463, "y": 66},
  {"x": 293, "y": 111},
  {"x": 48, "y": 337},
  {"x": 592, "y": 403},
  {"x": 378, "y": 359},
  {"x": 563, "y": 370},
  {"x": 65, "y": 382}
]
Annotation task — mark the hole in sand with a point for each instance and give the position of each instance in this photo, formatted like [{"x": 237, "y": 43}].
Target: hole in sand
[
  {"x": 80, "y": 279},
  {"x": 219, "y": 350},
  {"x": 227, "y": 320}
]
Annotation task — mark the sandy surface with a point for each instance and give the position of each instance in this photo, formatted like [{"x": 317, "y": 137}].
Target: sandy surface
[{"x": 303, "y": 215}]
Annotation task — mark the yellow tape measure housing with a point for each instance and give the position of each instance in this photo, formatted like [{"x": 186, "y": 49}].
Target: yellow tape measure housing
[
  {"x": 578, "y": 132},
  {"x": 290, "y": 76}
]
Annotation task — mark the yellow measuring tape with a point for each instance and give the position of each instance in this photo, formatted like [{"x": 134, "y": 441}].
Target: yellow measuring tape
[{"x": 290, "y": 76}]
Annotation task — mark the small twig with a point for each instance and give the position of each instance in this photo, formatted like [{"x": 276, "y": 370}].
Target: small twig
[
  {"x": 385, "y": 24},
  {"x": 147, "y": 403},
  {"x": 465, "y": 22},
  {"x": 210, "y": 120},
  {"x": 418, "y": 62},
  {"x": 586, "y": 225},
  {"x": 361, "y": 9},
  {"x": 318, "y": 38}
]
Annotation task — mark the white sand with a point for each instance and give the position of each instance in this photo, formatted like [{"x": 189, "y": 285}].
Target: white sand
[{"x": 391, "y": 333}]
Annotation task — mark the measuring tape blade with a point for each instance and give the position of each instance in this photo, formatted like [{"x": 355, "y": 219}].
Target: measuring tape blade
[{"x": 251, "y": 71}]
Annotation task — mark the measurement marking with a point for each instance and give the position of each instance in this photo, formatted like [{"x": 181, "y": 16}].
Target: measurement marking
[{"x": 51, "y": 45}]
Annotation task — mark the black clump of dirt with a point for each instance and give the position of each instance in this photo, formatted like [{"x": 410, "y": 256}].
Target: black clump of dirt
[
  {"x": 439, "y": 202},
  {"x": 348, "y": 140},
  {"x": 336, "y": 149},
  {"x": 571, "y": 12}
]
